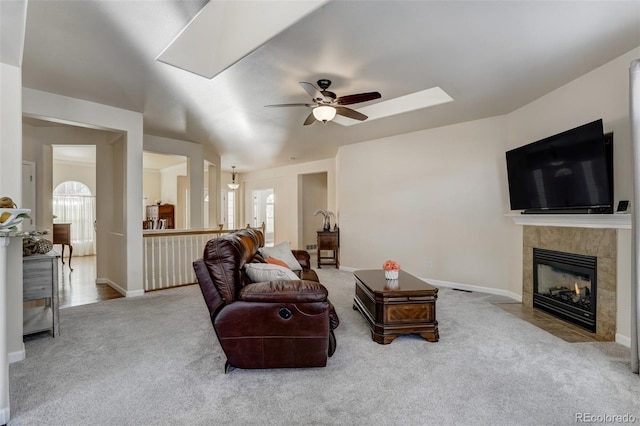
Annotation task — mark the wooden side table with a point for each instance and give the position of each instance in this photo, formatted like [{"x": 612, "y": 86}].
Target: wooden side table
[
  {"x": 330, "y": 241},
  {"x": 62, "y": 236}
]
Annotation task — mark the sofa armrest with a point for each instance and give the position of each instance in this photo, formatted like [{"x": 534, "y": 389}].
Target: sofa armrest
[
  {"x": 284, "y": 291},
  {"x": 303, "y": 258},
  {"x": 209, "y": 291}
]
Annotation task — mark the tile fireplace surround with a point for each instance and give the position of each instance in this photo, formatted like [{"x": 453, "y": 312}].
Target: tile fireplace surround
[{"x": 601, "y": 243}]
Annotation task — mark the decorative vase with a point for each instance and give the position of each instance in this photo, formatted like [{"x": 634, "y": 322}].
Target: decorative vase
[
  {"x": 327, "y": 223},
  {"x": 391, "y": 275}
]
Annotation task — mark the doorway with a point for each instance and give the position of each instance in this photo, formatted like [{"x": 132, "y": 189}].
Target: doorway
[
  {"x": 74, "y": 194},
  {"x": 264, "y": 212}
]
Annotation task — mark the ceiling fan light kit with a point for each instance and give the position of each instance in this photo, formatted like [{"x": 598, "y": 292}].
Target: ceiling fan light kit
[
  {"x": 326, "y": 104},
  {"x": 324, "y": 113}
]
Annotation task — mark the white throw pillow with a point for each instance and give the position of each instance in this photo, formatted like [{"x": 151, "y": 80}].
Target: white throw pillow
[
  {"x": 261, "y": 272},
  {"x": 282, "y": 251}
]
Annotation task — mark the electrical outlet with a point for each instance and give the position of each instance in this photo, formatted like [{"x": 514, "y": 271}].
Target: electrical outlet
[{"x": 429, "y": 264}]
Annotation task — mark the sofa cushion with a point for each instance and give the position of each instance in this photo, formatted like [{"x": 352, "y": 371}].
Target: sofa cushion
[
  {"x": 259, "y": 272},
  {"x": 284, "y": 292},
  {"x": 282, "y": 252},
  {"x": 274, "y": 261}
]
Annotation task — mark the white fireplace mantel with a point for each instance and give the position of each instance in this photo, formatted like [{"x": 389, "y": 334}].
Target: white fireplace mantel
[{"x": 617, "y": 221}]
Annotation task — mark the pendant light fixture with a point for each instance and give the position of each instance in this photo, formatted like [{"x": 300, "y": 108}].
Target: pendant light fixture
[{"x": 233, "y": 185}]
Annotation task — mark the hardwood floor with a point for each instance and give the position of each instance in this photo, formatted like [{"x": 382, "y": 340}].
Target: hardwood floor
[
  {"x": 562, "y": 329},
  {"x": 78, "y": 287}
]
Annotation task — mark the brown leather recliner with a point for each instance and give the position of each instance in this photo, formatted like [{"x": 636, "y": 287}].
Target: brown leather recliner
[{"x": 275, "y": 324}]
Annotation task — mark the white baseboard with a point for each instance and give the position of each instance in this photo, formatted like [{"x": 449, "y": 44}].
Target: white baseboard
[
  {"x": 623, "y": 340},
  {"x": 459, "y": 286},
  {"x": 4, "y": 415},
  {"x": 17, "y": 357},
  {"x": 479, "y": 289},
  {"x": 116, "y": 287}
]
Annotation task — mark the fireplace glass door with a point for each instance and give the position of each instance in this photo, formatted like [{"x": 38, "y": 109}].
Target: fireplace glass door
[{"x": 565, "y": 286}]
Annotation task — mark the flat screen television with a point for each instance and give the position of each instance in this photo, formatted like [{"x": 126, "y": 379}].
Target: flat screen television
[{"x": 571, "y": 172}]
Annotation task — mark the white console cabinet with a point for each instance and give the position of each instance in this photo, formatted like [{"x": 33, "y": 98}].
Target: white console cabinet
[{"x": 40, "y": 281}]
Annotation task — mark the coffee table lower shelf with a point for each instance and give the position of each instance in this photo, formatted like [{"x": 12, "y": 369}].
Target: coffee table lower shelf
[{"x": 394, "y": 312}]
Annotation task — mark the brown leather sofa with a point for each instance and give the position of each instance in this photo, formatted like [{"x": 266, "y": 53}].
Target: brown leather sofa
[{"x": 275, "y": 324}]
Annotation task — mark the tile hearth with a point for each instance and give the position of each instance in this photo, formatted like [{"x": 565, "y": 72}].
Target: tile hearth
[{"x": 555, "y": 326}]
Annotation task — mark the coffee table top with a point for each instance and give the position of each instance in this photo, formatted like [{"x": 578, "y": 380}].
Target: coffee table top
[{"x": 376, "y": 282}]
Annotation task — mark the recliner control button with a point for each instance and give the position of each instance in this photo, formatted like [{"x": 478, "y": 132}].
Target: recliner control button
[{"x": 284, "y": 313}]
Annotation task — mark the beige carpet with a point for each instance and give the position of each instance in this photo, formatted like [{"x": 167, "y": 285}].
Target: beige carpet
[{"x": 155, "y": 360}]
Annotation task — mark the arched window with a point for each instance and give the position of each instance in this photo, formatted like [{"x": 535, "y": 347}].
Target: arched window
[{"x": 73, "y": 203}]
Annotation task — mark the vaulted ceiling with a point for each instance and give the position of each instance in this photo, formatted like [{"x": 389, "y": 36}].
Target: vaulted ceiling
[{"x": 491, "y": 57}]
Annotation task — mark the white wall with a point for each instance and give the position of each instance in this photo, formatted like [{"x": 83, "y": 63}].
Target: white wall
[
  {"x": 169, "y": 182},
  {"x": 152, "y": 187},
  {"x": 11, "y": 186},
  {"x": 64, "y": 171},
  {"x": 314, "y": 197},
  {"x": 431, "y": 200}
]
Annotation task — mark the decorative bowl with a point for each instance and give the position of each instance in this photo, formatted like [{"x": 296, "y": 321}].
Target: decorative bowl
[{"x": 12, "y": 218}]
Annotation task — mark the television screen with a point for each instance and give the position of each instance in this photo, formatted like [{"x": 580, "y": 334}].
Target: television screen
[{"x": 571, "y": 170}]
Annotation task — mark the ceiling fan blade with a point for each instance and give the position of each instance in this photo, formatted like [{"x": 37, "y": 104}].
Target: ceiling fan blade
[
  {"x": 357, "y": 98},
  {"x": 351, "y": 113},
  {"x": 310, "y": 119},
  {"x": 312, "y": 91},
  {"x": 287, "y": 105}
]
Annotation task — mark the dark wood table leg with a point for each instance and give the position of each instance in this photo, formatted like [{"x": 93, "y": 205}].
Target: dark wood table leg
[
  {"x": 431, "y": 336},
  {"x": 70, "y": 254}
]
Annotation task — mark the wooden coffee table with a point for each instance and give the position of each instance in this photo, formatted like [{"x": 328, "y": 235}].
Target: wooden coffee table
[{"x": 396, "y": 307}]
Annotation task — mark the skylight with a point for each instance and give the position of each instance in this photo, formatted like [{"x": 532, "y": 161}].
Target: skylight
[{"x": 411, "y": 102}]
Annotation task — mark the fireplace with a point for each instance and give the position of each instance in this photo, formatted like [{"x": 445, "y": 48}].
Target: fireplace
[{"x": 565, "y": 285}]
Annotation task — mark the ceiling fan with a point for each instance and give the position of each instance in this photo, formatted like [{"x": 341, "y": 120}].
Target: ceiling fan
[{"x": 326, "y": 105}]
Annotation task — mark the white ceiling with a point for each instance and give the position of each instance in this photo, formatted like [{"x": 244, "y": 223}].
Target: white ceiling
[{"x": 491, "y": 57}]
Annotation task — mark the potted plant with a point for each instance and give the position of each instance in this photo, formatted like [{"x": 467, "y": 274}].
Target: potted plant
[{"x": 327, "y": 218}]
